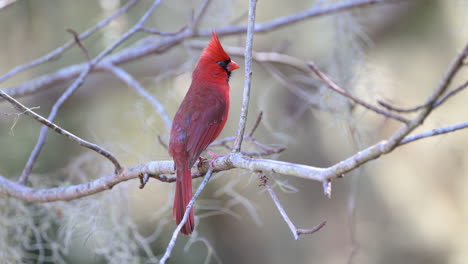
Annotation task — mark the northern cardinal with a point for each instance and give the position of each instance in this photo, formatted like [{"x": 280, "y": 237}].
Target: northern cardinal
[{"x": 199, "y": 120}]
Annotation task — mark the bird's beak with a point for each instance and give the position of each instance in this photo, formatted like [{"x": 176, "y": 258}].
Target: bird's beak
[{"x": 232, "y": 66}]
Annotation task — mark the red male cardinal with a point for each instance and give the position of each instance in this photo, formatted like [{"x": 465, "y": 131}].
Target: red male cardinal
[{"x": 199, "y": 120}]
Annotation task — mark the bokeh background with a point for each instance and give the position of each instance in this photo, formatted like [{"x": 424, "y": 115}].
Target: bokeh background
[{"x": 410, "y": 206}]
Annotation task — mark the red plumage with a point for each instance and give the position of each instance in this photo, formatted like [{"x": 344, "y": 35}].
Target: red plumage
[{"x": 199, "y": 120}]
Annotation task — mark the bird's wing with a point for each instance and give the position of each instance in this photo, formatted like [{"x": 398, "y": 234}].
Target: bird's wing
[{"x": 205, "y": 126}]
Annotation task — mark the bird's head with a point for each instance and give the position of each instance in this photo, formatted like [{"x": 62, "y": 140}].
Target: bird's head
[{"x": 215, "y": 60}]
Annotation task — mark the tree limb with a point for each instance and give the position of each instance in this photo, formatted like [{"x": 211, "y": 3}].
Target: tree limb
[
  {"x": 247, "y": 77},
  {"x": 157, "y": 169},
  {"x": 58, "y": 51},
  {"x": 296, "y": 232},
  {"x": 62, "y": 131}
]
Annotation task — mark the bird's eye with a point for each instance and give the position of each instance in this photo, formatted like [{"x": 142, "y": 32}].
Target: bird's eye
[{"x": 224, "y": 64}]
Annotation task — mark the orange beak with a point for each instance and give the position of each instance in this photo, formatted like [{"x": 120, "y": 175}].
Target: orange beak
[{"x": 232, "y": 66}]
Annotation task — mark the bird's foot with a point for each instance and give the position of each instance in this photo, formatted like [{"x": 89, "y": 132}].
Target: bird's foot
[
  {"x": 200, "y": 162},
  {"x": 214, "y": 156}
]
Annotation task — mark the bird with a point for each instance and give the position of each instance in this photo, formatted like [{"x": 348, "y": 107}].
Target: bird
[{"x": 199, "y": 121}]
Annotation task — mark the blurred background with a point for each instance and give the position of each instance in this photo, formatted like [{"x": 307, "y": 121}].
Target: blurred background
[{"x": 410, "y": 206}]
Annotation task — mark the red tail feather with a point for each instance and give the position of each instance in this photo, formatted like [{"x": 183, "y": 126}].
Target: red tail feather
[{"x": 183, "y": 195}]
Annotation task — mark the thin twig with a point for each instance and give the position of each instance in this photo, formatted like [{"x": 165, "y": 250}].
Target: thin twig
[
  {"x": 163, "y": 144},
  {"x": 296, "y": 232},
  {"x": 264, "y": 149},
  {"x": 445, "y": 82},
  {"x": 330, "y": 84},
  {"x": 239, "y": 18},
  {"x": 450, "y": 94},
  {"x": 400, "y": 110},
  {"x": 262, "y": 153},
  {"x": 62, "y": 131},
  {"x": 161, "y": 33},
  {"x": 257, "y": 122},
  {"x": 78, "y": 41},
  {"x": 171, "y": 244},
  {"x": 434, "y": 132},
  {"x": 306, "y": 96},
  {"x": 247, "y": 77},
  {"x": 312, "y": 230},
  {"x": 199, "y": 14},
  {"x": 130, "y": 81},
  {"x": 280, "y": 208},
  {"x": 55, "y": 53},
  {"x": 419, "y": 107}
]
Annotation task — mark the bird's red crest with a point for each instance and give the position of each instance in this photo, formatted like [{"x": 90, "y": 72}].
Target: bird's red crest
[{"x": 214, "y": 50}]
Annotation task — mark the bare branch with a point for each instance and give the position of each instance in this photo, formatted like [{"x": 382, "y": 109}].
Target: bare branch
[
  {"x": 149, "y": 46},
  {"x": 443, "y": 85},
  {"x": 264, "y": 149},
  {"x": 448, "y": 77},
  {"x": 434, "y": 132},
  {"x": 71, "y": 90},
  {"x": 400, "y": 110},
  {"x": 163, "y": 144},
  {"x": 159, "y": 32},
  {"x": 199, "y": 15},
  {"x": 55, "y": 53},
  {"x": 309, "y": 13},
  {"x": 53, "y": 113},
  {"x": 312, "y": 230},
  {"x": 130, "y": 81},
  {"x": 171, "y": 244},
  {"x": 157, "y": 169},
  {"x": 247, "y": 77},
  {"x": 6, "y": 3},
  {"x": 62, "y": 131},
  {"x": 296, "y": 232},
  {"x": 309, "y": 98},
  {"x": 257, "y": 122},
  {"x": 348, "y": 95},
  {"x": 280, "y": 208},
  {"x": 419, "y": 107},
  {"x": 76, "y": 37},
  {"x": 450, "y": 94},
  {"x": 387, "y": 146}
]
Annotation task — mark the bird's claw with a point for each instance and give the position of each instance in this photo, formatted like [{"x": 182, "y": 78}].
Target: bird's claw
[
  {"x": 214, "y": 157},
  {"x": 200, "y": 162}
]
